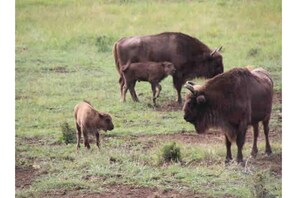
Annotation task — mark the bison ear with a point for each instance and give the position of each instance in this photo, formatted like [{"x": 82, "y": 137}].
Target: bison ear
[
  {"x": 200, "y": 99},
  {"x": 100, "y": 115}
]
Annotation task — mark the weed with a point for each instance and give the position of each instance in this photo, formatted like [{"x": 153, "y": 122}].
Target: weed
[
  {"x": 103, "y": 43},
  {"x": 68, "y": 134},
  {"x": 170, "y": 153}
]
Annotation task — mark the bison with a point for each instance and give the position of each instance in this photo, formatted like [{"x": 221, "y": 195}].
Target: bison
[
  {"x": 191, "y": 57},
  {"x": 89, "y": 121},
  {"x": 232, "y": 101},
  {"x": 148, "y": 71}
]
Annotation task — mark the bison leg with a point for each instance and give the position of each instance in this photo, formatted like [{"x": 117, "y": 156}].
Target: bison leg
[
  {"x": 132, "y": 92},
  {"x": 159, "y": 88},
  {"x": 228, "y": 146},
  {"x": 240, "y": 139},
  {"x": 121, "y": 82},
  {"x": 266, "y": 131},
  {"x": 124, "y": 92},
  {"x": 86, "y": 141},
  {"x": 78, "y": 136},
  {"x": 177, "y": 82},
  {"x": 256, "y": 134},
  {"x": 97, "y": 139},
  {"x": 153, "y": 85}
]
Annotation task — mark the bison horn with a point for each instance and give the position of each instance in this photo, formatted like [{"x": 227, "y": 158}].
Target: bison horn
[
  {"x": 216, "y": 50},
  {"x": 189, "y": 86},
  {"x": 190, "y": 82}
]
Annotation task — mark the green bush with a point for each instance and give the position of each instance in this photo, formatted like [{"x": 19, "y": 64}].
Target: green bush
[
  {"x": 104, "y": 43},
  {"x": 170, "y": 153},
  {"x": 68, "y": 134}
]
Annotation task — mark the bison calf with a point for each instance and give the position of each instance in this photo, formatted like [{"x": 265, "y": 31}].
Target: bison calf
[
  {"x": 232, "y": 100},
  {"x": 89, "y": 121},
  {"x": 152, "y": 72}
]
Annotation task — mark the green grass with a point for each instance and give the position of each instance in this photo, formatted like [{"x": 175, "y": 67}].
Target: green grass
[{"x": 64, "y": 55}]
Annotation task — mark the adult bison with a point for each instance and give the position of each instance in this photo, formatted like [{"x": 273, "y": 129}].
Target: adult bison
[
  {"x": 190, "y": 56},
  {"x": 232, "y": 101}
]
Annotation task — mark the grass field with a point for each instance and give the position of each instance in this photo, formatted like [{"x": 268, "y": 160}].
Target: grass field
[{"x": 64, "y": 55}]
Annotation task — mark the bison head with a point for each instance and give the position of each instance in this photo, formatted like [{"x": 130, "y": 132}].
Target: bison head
[
  {"x": 211, "y": 64},
  {"x": 169, "y": 68},
  {"x": 196, "y": 108},
  {"x": 105, "y": 122}
]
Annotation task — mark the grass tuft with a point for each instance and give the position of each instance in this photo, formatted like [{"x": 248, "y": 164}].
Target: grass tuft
[
  {"x": 170, "y": 153},
  {"x": 68, "y": 134}
]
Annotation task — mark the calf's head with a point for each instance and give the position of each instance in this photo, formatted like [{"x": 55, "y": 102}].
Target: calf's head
[
  {"x": 169, "y": 68},
  {"x": 196, "y": 108},
  {"x": 105, "y": 122}
]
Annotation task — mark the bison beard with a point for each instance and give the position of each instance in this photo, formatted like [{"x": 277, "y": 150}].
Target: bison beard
[
  {"x": 190, "y": 56},
  {"x": 232, "y": 101}
]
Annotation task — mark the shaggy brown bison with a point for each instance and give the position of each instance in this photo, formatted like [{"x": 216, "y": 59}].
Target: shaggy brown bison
[
  {"x": 232, "y": 100},
  {"x": 89, "y": 121},
  {"x": 191, "y": 57},
  {"x": 149, "y": 71}
]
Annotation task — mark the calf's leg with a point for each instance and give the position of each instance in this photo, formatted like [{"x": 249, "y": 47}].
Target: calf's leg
[
  {"x": 159, "y": 88},
  {"x": 97, "y": 139},
  {"x": 153, "y": 85},
  {"x": 132, "y": 91},
  {"x": 78, "y": 136},
  {"x": 86, "y": 140}
]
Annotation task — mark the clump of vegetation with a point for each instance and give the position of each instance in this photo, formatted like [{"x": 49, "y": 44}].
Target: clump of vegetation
[
  {"x": 259, "y": 186},
  {"x": 170, "y": 153},
  {"x": 68, "y": 133},
  {"x": 103, "y": 43}
]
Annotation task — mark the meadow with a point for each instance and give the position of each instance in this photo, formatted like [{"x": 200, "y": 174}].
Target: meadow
[{"x": 64, "y": 55}]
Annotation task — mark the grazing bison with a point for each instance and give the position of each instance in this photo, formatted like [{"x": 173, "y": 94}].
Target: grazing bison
[
  {"x": 88, "y": 121},
  {"x": 190, "y": 56},
  {"x": 232, "y": 101},
  {"x": 149, "y": 71}
]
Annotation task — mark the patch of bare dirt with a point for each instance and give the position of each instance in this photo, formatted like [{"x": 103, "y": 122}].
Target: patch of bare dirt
[
  {"x": 120, "y": 190},
  {"x": 168, "y": 106},
  {"x": 24, "y": 176},
  {"x": 188, "y": 138}
]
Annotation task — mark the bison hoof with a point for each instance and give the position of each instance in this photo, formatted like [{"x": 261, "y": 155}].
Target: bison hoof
[
  {"x": 268, "y": 153},
  {"x": 254, "y": 154},
  {"x": 228, "y": 160}
]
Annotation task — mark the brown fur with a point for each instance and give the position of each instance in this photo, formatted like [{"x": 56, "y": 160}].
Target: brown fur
[
  {"x": 149, "y": 71},
  {"x": 191, "y": 57},
  {"x": 233, "y": 100},
  {"x": 89, "y": 121}
]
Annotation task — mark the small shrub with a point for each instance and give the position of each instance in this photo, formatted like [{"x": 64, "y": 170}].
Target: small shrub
[
  {"x": 68, "y": 134},
  {"x": 103, "y": 43},
  {"x": 170, "y": 153}
]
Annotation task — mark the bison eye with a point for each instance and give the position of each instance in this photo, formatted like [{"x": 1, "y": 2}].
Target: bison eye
[{"x": 107, "y": 120}]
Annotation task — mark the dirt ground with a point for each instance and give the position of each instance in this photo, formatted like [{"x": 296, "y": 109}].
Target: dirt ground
[{"x": 24, "y": 176}]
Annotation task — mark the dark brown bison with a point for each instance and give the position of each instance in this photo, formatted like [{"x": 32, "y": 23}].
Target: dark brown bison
[
  {"x": 190, "y": 56},
  {"x": 232, "y": 101},
  {"x": 89, "y": 121},
  {"x": 149, "y": 71}
]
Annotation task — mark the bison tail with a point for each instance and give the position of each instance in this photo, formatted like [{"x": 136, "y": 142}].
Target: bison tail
[{"x": 116, "y": 58}]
